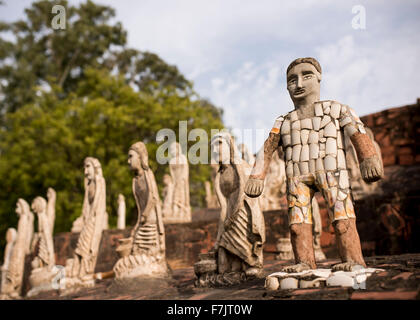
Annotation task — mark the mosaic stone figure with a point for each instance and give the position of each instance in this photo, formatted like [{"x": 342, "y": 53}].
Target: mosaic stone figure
[
  {"x": 312, "y": 137},
  {"x": 43, "y": 264},
  {"x": 180, "y": 203},
  {"x": 238, "y": 251},
  {"x": 359, "y": 187},
  {"x": 13, "y": 276},
  {"x": 80, "y": 269},
  {"x": 121, "y": 212},
  {"x": 143, "y": 254}
]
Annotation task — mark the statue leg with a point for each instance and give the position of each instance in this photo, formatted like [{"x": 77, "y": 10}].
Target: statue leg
[
  {"x": 341, "y": 213},
  {"x": 223, "y": 264},
  {"x": 300, "y": 221}
]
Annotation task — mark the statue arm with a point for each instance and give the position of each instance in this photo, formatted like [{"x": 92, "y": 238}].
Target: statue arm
[
  {"x": 255, "y": 184},
  {"x": 369, "y": 160},
  {"x": 223, "y": 209}
]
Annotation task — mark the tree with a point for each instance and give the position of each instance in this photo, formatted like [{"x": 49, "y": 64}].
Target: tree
[{"x": 45, "y": 142}]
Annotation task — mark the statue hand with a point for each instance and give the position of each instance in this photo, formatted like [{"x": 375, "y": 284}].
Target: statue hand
[
  {"x": 371, "y": 169},
  {"x": 254, "y": 187}
]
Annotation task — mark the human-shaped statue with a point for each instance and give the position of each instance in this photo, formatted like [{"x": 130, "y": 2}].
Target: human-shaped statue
[
  {"x": 52, "y": 197},
  {"x": 168, "y": 191},
  {"x": 80, "y": 269},
  {"x": 121, "y": 212},
  {"x": 211, "y": 198},
  {"x": 246, "y": 154},
  {"x": 11, "y": 235},
  {"x": 180, "y": 202},
  {"x": 275, "y": 183},
  {"x": 312, "y": 137},
  {"x": 143, "y": 254},
  {"x": 238, "y": 251},
  {"x": 43, "y": 264},
  {"x": 12, "y": 285},
  {"x": 359, "y": 188}
]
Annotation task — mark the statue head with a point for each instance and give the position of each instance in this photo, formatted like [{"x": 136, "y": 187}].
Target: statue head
[
  {"x": 303, "y": 79},
  {"x": 39, "y": 205},
  {"x": 138, "y": 158},
  {"x": 175, "y": 149},
  {"x": 92, "y": 168},
  {"x": 11, "y": 235},
  {"x": 22, "y": 207},
  {"x": 51, "y": 194}
]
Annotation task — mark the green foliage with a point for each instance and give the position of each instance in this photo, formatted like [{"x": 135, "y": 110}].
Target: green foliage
[
  {"x": 68, "y": 94},
  {"x": 45, "y": 142}
]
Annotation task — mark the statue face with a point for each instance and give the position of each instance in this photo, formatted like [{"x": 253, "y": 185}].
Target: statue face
[
  {"x": 134, "y": 160},
  {"x": 303, "y": 81},
  {"x": 89, "y": 171},
  {"x": 220, "y": 151}
]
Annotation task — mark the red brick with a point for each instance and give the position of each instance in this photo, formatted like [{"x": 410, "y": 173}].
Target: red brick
[
  {"x": 404, "y": 276},
  {"x": 380, "y": 120},
  {"x": 388, "y": 160},
  {"x": 405, "y": 150},
  {"x": 406, "y": 160},
  {"x": 386, "y": 295}
]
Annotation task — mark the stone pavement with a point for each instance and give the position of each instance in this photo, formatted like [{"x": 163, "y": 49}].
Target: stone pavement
[{"x": 401, "y": 280}]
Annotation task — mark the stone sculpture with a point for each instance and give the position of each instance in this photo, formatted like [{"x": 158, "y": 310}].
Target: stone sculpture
[
  {"x": 168, "y": 195},
  {"x": 312, "y": 137},
  {"x": 284, "y": 245},
  {"x": 143, "y": 253},
  {"x": 275, "y": 183},
  {"x": 11, "y": 235},
  {"x": 211, "y": 198},
  {"x": 80, "y": 269},
  {"x": 359, "y": 187},
  {"x": 180, "y": 201},
  {"x": 246, "y": 154},
  {"x": 52, "y": 197},
  {"x": 12, "y": 284},
  {"x": 238, "y": 252},
  {"x": 121, "y": 212},
  {"x": 43, "y": 265}
]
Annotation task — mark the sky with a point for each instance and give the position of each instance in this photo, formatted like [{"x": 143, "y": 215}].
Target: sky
[{"x": 237, "y": 52}]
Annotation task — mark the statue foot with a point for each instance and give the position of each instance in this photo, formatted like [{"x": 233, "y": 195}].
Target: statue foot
[
  {"x": 296, "y": 268},
  {"x": 253, "y": 272},
  {"x": 346, "y": 266}
]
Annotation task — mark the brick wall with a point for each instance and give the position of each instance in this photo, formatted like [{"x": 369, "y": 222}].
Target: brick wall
[{"x": 397, "y": 131}]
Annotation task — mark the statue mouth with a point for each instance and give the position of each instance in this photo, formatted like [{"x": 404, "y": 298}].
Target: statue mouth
[{"x": 299, "y": 91}]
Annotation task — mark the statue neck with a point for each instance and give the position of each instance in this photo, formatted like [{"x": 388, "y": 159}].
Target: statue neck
[{"x": 305, "y": 106}]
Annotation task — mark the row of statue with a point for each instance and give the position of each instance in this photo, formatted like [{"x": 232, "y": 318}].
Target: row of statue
[{"x": 319, "y": 147}]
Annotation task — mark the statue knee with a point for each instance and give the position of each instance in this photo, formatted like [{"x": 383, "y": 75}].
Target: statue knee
[
  {"x": 341, "y": 226},
  {"x": 296, "y": 229}
]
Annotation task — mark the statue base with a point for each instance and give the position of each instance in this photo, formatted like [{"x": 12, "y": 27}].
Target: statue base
[
  {"x": 42, "y": 279},
  {"x": 206, "y": 274},
  {"x": 141, "y": 266},
  {"x": 316, "y": 278}
]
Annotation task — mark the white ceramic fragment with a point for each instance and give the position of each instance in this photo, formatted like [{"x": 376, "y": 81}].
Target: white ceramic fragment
[
  {"x": 331, "y": 147},
  {"x": 318, "y": 110},
  {"x": 295, "y": 137},
  {"x": 313, "y": 151},
  {"x": 330, "y": 163},
  {"x": 296, "y": 152},
  {"x": 289, "y": 283},
  {"x": 316, "y": 123},
  {"x": 341, "y": 159},
  {"x": 330, "y": 130},
  {"x": 344, "y": 179},
  {"x": 285, "y": 128},
  {"x": 325, "y": 120},
  {"x": 306, "y": 123},
  {"x": 304, "y": 154},
  {"x": 304, "y": 134},
  {"x": 335, "y": 110},
  {"x": 304, "y": 169}
]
